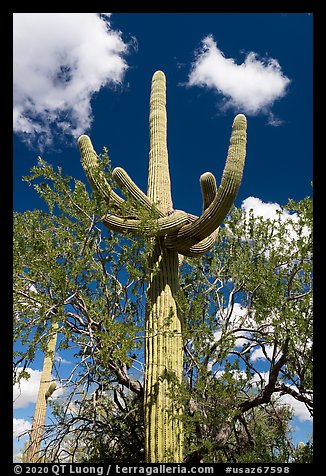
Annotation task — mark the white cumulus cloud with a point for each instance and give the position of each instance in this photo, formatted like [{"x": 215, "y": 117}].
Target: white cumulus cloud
[
  {"x": 274, "y": 211},
  {"x": 20, "y": 426},
  {"x": 26, "y": 391},
  {"x": 299, "y": 408},
  {"x": 292, "y": 234},
  {"x": 266, "y": 210},
  {"x": 250, "y": 87},
  {"x": 59, "y": 61},
  {"x": 238, "y": 317},
  {"x": 258, "y": 354},
  {"x": 61, "y": 360}
]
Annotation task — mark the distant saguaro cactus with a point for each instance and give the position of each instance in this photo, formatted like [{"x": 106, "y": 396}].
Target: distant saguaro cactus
[
  {"x": 176, "y": 232},
  {"x": 32, "y": 454}
]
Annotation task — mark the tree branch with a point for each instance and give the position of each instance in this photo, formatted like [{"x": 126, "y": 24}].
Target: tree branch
[{"x": 269, "y": 389}]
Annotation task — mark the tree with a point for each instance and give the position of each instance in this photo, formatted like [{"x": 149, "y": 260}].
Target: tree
[
  {"x": 62, "y": 282},
  {"x": 105, "y": 427},
  {"x": 253, "y": 293},
  {"x": 250, "y": 294}
]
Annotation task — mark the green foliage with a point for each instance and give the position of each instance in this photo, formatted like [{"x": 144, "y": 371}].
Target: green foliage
[
  {"x": 251, "y": 293},
  {"x": 303, "y": 453},
  {"x": 68, "y": 270}
]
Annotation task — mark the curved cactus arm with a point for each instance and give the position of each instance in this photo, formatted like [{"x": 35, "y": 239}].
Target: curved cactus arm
[
  {"x": 208, "y": 188},
  {"x": 95, "y": 175},
  {"x": 213, "y": 216},
  {"x": 128, "y": 187},
  {"x": 164, "y": 226},
  {"x": 200, "y": 248},
  {"x": 50, "y": 390},
  {"x": 203, "y": 246}
]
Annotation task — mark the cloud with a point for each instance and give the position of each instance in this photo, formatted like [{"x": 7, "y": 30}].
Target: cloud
[
  {"x": 274, "y": 211},
  {"x": 59, "y": 61},
  {"x": 26, "y": 391},
  {"x": 266, "y": 210},
  {"x": 299, "y": 408},
  {"x": 238, "y": 315},
  {"x": 61, "y": 360},
  {"x": 20, "y": 426},
  {"x": 258, "y": 354},
  {"x": 251, "y": 87},
  {"x": 288, "y": 235}
]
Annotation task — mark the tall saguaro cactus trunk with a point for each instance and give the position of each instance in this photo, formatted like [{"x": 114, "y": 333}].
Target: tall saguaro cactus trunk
[
  {"x": 46, "y": 388},
  {"x": 176, "y": 232},
  {"x": 163, "y": 360},
  {"x": 163, "y": 339}
]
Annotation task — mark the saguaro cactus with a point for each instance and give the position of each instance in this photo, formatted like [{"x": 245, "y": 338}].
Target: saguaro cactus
[
  {"x": 45, "y": 391},
  {"x": 176, "y": 232}
]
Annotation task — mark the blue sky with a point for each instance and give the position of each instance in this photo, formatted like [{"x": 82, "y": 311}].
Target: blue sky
[{"x": 76, "y": 73}]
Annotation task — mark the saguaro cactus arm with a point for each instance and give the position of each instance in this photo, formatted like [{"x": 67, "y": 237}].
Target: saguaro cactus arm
[
  {"x": 95, "y": 175},
  {"x": 215, "y": 213},
  {"x": 208, "y": 189},
  {"x": 164, "y": 226},
  {"x": 128, "y": 187},
  {"x": 189, "y": 237},
  {"x": 201, "y": 247},
  {"x": 50, "y": 390}
]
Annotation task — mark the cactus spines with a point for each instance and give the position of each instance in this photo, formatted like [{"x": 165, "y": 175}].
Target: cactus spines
[{"x": 176, "y": 233}]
